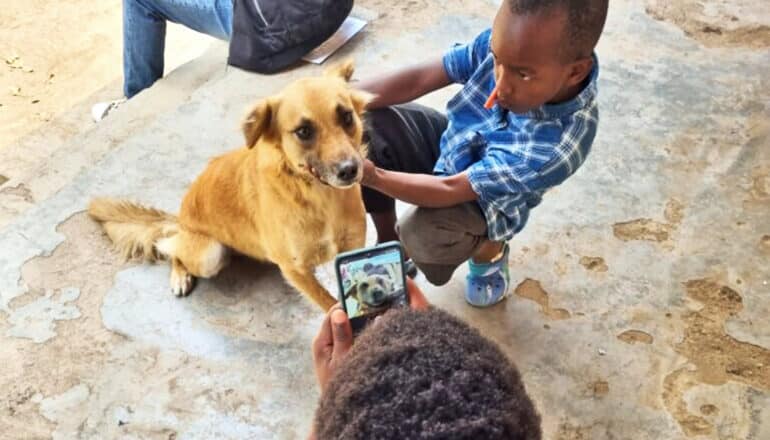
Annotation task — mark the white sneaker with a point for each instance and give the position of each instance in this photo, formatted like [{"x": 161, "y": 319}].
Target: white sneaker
[{"x": 100, "y": 110}]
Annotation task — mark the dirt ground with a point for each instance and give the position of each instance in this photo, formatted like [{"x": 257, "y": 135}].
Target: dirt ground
[{"x": 54, "y": 55}]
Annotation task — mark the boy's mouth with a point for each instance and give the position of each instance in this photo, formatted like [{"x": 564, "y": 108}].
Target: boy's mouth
[
  {"x": 504, "y": 103},
  {"x": 512, "y": 107}
]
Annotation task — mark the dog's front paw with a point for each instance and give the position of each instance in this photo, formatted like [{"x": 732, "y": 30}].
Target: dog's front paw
[{"x": 182, "y": 283}]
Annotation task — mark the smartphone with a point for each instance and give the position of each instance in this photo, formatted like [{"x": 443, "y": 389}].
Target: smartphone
[{"x": 371, "y": 280}]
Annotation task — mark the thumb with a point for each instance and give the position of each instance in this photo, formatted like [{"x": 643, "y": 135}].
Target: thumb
[{"x": 342, "y": 333}]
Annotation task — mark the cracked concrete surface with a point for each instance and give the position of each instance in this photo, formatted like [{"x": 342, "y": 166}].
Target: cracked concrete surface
[{"x": 641, "y": 304}]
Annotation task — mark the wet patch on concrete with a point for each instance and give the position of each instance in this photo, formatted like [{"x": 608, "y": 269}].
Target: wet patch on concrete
[
  {"x": 600, "y": 388},
  {"x": 645, "y": 229},
  {"x": 53, "y": 282},
  {"x": 714, "y": 357},
  {"x": 674, "y": 212},
  {"x": 19, "y": 191},
  {"x": 719, "y": 356},
  {"x": 717, "y": 24},
  {"x": 708, "y": 409},
  {"x": 635, "y": 337},
  {"x": 55, "y": 326},
  {"x": 568, "y": 431},
  {"x": 37, "y": 320},
  {"x": 641, "y": 229},
  {"x": 764, "y": 244},
  {"x": 58, "y": 410},
  {"x": 760, "y": 183},
  {"x": 595, "y": 264},
  {"x": 532, "y": 290},
  {"x": 139, "y": 390},
  {"x": 675, "y": 385}
]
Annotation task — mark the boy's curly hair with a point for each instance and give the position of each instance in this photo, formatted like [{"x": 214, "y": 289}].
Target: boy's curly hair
[
  {"x": 585, "y": 21},
  {"x": 426, "y": 375}
]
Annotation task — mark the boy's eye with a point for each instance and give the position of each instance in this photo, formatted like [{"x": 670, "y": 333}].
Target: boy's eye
[{"x": 525, "y": 76}]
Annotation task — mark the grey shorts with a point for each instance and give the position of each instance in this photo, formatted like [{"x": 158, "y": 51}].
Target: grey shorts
[
  {"x": 406, "y": 138},
  {"x": 439, "y": 240}
]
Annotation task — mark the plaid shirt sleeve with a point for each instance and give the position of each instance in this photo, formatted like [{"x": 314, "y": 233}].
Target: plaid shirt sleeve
[
  {"x": 508, "y": 177},
  {"x": 462, "y": 60}
]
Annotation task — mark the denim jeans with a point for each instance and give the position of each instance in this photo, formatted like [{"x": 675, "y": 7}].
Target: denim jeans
[{"x": 144, "y": 34}]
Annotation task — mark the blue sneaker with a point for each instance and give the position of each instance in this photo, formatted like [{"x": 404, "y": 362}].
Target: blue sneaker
[{"x": 487, "y": 284}]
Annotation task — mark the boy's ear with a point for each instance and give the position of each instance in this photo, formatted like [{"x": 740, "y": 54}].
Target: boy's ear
[
  {"x": 579, "y": 70},
  {"x": 258, "y": 121},
  {"x": 344, "y": 70}
]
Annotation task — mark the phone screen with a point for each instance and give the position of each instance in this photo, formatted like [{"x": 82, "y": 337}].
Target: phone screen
[{"x": 371, "y": 280}]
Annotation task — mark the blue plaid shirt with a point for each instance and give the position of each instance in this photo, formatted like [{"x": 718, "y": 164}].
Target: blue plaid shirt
[{"x": 511, "y": 159}]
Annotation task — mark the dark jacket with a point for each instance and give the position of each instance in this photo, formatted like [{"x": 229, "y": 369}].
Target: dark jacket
[{"x": 270, "y": 35}]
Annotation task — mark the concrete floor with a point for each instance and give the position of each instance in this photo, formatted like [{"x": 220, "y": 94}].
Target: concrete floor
[{"x": 641, "y": 310}]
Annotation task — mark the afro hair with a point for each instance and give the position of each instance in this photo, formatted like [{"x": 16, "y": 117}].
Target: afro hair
[{"x": 426, "y": 375}]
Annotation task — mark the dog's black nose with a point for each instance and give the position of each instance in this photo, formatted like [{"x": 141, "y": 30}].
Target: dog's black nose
[{"x": 347, "y": 170}]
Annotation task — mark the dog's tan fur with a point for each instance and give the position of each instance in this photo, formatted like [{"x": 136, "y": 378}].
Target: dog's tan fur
[{"x": 279, "y": 199}]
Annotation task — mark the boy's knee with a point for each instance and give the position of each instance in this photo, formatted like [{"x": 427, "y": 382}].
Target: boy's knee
[
  {"x": 443, "y": 236},
  {"x": 440, "y": 240},
  {"x": 416, "y": 231}
]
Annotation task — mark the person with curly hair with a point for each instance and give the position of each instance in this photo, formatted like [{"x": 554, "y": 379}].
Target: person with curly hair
[{"x": 420, "y": 373}]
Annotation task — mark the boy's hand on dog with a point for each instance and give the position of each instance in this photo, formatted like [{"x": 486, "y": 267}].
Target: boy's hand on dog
[
  {"x": 335, "y": 338},
  {"x": 332, "y": 343},
  {"x": 369, "y": 172}
]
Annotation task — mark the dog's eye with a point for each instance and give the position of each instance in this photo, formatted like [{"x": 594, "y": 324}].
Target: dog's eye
[
  {"x": 305, "y": 132},
  {"x": 346, "y": 118}
]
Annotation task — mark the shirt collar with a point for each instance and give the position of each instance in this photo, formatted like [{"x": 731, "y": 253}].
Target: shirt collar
[{"x": 581, "y": 100}]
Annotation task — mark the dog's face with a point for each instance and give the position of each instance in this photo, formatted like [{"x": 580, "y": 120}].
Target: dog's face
[
  {"x": 316, "y": 122},
  {"x": 374, "y": 290}
]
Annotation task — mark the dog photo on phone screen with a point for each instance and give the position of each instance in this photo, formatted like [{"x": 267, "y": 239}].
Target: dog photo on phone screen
[{"x": 372, "y": 285}]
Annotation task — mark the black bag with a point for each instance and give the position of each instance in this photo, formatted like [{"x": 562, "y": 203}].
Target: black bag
[{"x": 270, "y": 35}]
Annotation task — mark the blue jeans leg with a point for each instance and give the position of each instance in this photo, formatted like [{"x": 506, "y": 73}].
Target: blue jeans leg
[{"x": 144, "y": 34}]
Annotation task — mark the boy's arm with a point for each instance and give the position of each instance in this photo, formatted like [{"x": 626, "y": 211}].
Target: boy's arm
[
  {"x": 424, "y": 190},
  {"x": 406, "y": 84}
]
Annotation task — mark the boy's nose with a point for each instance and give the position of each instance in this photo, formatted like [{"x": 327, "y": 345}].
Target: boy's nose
[{"x": 504, "y": 87}]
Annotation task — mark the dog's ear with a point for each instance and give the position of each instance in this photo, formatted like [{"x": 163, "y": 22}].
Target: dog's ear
[
  {"x": 360, "y": 100},
  {"x": 258, "y": 121},
  {"x": 344, "y": 70},
  {"x": 352, "y": 292}
]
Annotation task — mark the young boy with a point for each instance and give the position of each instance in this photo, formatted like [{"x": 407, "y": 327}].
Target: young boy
[{"x": 474, "y": 174}]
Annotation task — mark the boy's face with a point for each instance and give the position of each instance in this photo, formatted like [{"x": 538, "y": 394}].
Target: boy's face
[{"x": 531, "y": 68}]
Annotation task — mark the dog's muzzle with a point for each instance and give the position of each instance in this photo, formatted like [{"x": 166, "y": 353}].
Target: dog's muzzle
[
  {"x": 347, "y": 171},
  {"x": 342, "y": 174}
]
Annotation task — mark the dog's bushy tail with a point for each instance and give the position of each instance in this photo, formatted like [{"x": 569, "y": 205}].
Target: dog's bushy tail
[{"x": 134, "y": 229}]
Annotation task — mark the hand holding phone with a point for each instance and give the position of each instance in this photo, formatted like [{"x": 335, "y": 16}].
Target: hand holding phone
[
  {"x": 335, "y": 337},
  {"x": 371, "y": 280}
]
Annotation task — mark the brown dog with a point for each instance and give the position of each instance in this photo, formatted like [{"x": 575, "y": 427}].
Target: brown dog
[{"x": 290, "y": 196}]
